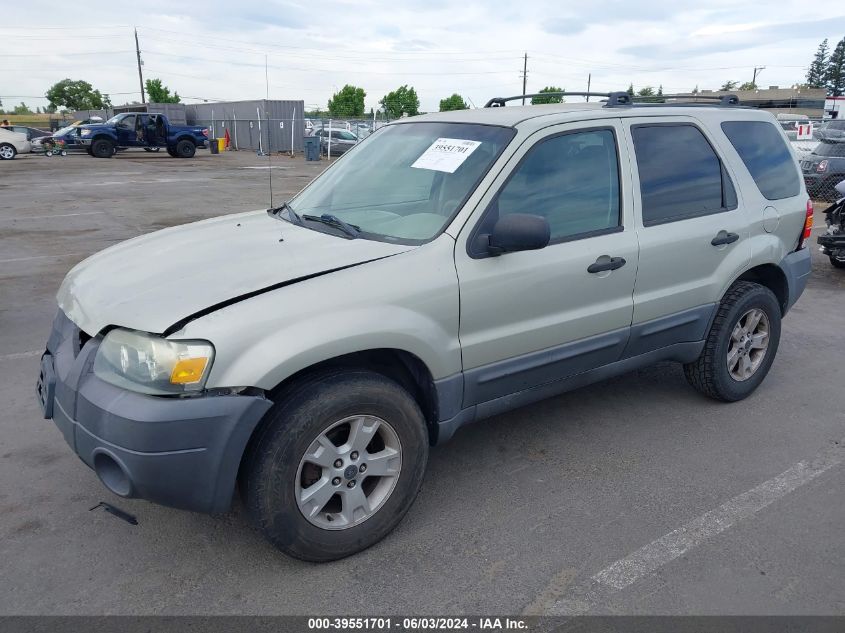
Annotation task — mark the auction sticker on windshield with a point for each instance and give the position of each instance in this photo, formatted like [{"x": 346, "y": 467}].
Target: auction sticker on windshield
[{"x": 446, "y": 154}]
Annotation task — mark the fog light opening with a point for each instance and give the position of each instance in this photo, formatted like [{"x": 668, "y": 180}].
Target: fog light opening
[{"x": 112, "y": 475}]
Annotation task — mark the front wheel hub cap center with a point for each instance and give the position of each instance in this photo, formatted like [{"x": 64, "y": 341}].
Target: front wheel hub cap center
[{"x": 350, "y": 472}]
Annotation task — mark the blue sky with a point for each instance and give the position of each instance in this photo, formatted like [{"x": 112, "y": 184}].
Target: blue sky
[{"x": 216, "y": 50}]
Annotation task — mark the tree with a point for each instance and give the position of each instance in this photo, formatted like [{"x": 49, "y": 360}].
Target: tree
[
  {"x": 348, "y": 102},
  {"x": 818, "y": 67},
  {"x": 748, "y": 85},
  {"x": 403, "y": 100},
  {"x": 159, "y": 93},
  {"x": 455, "y": 102},
  {"x": 22, "y": 109},
  {"x": 695, "y": 90},
  {"x": 631, "y": 89},
  {"x": 835, "y": 71},
  {"x": 76, "y": 95},
  {"x": 539, "y": 100},
  {"x": 729, "y": 85},
  {"x": 649, "y": 95}
]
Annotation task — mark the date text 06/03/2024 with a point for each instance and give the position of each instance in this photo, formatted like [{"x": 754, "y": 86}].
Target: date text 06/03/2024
[{"x": 417, "y": 624}]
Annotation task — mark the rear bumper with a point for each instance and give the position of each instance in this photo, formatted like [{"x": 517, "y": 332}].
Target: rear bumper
[
  {"x": 797, "y": 267},
  {"x": 179, "y": 452}
]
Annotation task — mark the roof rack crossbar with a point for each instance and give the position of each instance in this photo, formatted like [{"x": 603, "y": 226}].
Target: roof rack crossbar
[
  {"x": 497, "y": 102},
  {"x": 622, "y": 98},
  {"x": 724, "y": 100}
]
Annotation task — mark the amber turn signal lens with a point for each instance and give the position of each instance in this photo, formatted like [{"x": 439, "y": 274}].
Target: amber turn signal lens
[{"x": 188, "y": 370}]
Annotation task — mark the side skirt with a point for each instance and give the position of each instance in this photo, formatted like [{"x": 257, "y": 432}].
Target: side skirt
[{"x": 679, "y": 352}]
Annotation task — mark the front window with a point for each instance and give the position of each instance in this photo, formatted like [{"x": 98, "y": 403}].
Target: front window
[{"x": 406, "y": 182}]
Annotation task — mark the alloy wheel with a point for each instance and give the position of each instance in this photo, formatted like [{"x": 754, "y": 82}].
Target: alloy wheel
[
  {"x": 748, "y": 345},
  {"x": 348, "y": 472}
]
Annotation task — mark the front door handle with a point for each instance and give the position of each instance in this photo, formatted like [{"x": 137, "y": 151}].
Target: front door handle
[
  {"x": 723, "y": 237},
  {"x": 604, "y": 263}
]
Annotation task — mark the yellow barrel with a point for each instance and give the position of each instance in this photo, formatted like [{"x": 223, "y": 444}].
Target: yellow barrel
[{"x": 221, "y": 144}]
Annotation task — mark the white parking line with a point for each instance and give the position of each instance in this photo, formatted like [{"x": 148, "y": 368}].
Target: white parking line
[
  {"x": 19, "y": 355},
  {"x": 27, "y": 259},
  {"x": 61, "y": 215},
  {"x": 627, "y": 571}
]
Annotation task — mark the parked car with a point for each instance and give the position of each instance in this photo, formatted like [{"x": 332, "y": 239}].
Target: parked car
[
  {"x": 830, "y": 131},
  {"x": 68, "y": 138},
  {"x": 342, "y": 141},
  {"x": 12, "y": 144},
  {"x": 142, "y": 129},
  {"x": 823, "y": 169},
  {"x": 31, "y": 133},
  {"x": 454, "y": 266}
]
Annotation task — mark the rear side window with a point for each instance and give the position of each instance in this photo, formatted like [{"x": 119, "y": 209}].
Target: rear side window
[
  {"x": 763, "y": 150},
  {"x": 680, "y": 174}
]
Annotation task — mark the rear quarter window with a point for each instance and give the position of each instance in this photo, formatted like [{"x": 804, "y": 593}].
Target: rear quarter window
[{"x": 763, "y": 150}]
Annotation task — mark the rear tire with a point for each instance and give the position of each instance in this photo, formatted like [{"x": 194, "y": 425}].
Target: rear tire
[
  {"x": 7, "y": 151},
  {"x": 319, "y": 409},
  {"x": 186, "y": 149},
  {"x": 102, "y": 148},
  {"x": 715, "y": 371},
  {"x": 837, "y": 262}
]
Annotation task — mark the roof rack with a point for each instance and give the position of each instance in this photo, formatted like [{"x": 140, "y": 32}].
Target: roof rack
[
  {"x": 722, "y": 100},
  {"x": 615, "y": 99}
]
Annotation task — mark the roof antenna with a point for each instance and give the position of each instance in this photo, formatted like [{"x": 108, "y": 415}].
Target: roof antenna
[{"x": 267, "y": 120}]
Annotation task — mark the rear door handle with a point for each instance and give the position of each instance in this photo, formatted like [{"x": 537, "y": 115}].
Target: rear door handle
[
  {"x": 723, "y": 237},
  {"x": 604, "y": 263}
]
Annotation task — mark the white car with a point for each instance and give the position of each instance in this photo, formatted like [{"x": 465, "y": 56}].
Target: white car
[{"x": 12, "y": 144}]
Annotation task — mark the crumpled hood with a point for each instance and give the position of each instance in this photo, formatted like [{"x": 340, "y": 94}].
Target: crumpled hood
[{"x": 153, "y": 281}]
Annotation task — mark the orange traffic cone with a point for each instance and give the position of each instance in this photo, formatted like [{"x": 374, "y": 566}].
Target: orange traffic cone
[{"x": 227, "y": 139}]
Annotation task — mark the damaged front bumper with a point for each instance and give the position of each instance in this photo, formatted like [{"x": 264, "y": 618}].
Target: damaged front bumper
[{"x": 182, "y": 452}]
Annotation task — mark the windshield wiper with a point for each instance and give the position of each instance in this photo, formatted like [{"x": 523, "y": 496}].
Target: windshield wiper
[
  {"x": 293, "y": 216},
  {"x": 332, "y": 220}
]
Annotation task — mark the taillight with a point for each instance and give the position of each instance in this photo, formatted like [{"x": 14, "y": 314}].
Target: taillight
[
  {"x": 822, "y": 166},
  {"x": 205, "y": 133},
  {"x": 808, "y": 226}
]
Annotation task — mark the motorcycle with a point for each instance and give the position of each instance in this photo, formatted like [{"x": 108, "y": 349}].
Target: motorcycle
[{"x": 832, "y": 242}]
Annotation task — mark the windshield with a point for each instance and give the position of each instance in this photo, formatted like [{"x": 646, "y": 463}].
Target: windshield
[
  {"x": 65, "y": 130},
  {"x": 405, "y": 182},
  {"x": 115, "y": 119},
  {"x": 830, "y": 149}
]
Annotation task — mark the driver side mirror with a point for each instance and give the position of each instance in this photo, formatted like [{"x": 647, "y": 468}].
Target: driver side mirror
[{"x": 519, "y": 232}]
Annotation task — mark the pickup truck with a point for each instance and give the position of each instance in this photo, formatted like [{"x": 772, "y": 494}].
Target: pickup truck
[{"x": 141, "y": 129}]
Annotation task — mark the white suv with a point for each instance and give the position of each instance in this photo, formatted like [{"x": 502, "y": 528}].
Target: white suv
[{"x": 448, "y": 268}]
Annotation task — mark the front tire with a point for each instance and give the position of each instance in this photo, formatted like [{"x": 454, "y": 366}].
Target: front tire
[
  {"x": 837, "y": 261},
  {"x": 336, "y": 465},
  {"x": 741, "y": 345},
  {"x": 185, "y": 149},
  {"x": 7, "y": 151},
  {"x": 102, "y": 148}
]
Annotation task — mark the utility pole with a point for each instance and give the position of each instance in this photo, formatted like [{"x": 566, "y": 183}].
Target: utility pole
[
  {"x": 589, "y": 81},
  {"x": 756, "y": 70},
  {"x": 524, "y": 75},
  {"x": 140, "y": 74}
]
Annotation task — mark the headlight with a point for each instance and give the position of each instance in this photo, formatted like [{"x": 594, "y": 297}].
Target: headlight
[
  {"x": 85, "y": 133},
  {"x": 150, "y": 364}
]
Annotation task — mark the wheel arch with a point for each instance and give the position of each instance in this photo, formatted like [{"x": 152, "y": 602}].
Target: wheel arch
[
  {"x": 399, "y": 365},
  {"x": 772, "y": 277}
]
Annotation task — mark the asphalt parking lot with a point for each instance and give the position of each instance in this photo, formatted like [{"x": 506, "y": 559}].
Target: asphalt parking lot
[{"x": 634, "y": 496}]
